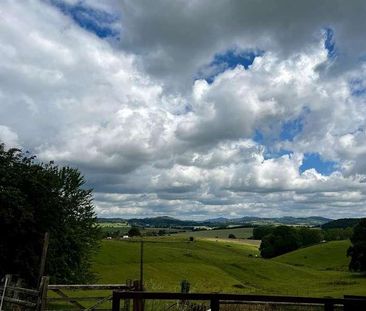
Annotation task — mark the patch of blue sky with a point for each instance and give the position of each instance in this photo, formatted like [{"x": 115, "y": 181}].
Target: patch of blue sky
[
  {"x": 291, "y": 129},
  {"x": 273, "y": 154},
  {"x": 258, "y": 137},
  {"x": 229, "y": 60},
  {"x": 329, "y": 42},
  {"x": 96, "y": 21},
  {"x": 286, "y": 132},
  {"x": 358, "y": 87},
  {"x": 269, "y": 152},
  {"x": 322, "y": 166}
]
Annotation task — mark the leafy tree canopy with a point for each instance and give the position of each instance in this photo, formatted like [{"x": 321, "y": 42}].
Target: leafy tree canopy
[
  {"x": 36, "y": 198},
  {"x": 284, "y": 239},
  {"x": 134, "y": 231},
  {"x": 357, "y": 251},
  {"x": 341, "y": 223}
]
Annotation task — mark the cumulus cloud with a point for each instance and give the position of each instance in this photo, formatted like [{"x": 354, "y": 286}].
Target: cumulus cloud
[
  {"x": 153, "y": 139},
  {"x": 8, "y": 137},
  {"x": 177, "y": 38}
]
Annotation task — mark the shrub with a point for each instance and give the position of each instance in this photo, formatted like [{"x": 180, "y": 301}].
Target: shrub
[{"x": 134, "y": 231}]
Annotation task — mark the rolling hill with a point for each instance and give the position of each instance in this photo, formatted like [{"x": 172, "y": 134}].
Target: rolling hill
[{"x": 211, "y": 266}]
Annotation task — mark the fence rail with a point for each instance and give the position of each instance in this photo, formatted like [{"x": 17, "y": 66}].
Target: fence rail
[
  {"x": 63, "y": 292},
  {"x": 12, "y": 293},
  {"x": 215, "y": 300},
  {"x": 89, "y": 287}
]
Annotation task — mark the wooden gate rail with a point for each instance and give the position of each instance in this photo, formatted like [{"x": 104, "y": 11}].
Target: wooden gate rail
[
  {"x": 30, "y": 298},
  {"x": 89, "y": 287},
  {"x": 77, "y": 301},
  {"x": 216, "y": 299},
  {"x": 27, "y": 291}
]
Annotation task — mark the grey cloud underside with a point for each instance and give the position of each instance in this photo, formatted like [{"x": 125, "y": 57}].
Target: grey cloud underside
[
  {"x": 185, "y": 35},
  {"x": 152, "y": 141}
]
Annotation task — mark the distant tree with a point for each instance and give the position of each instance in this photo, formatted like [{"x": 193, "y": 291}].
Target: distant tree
[
  {"x": 36, "y": 198},
  {"x": 232, "y": 236},
  {"x": 134, "y": 231},
  {"x": 341, "y": 223},
  {"x": 282, "y": 240},
  {"x": 191, "y": 239},
  {"x": 261, "y": 231},
  {"x": 357, "y": 251},
  {"x": 335, "y": 234},
  {"x": 309, "y": 236}
]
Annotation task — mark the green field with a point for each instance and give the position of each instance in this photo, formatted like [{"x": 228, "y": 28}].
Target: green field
[
  {"x": 327, "y": 256},
  {"x": 123, "y": 228},
  {"x": 222, "y": 266},
  {"x": 240, "y": 233}
]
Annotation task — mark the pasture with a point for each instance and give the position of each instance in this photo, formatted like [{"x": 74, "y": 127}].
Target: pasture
[
  {"x": 240, "y": 233},
  {"x": 223, "y": 266}
]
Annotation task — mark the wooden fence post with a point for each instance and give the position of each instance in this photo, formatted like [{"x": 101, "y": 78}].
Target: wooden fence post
[
  {"x": 215, "y": 305},
  {"x": 126, "y": 302},
  {"x": 328, "y": 307},
  {"x": 44, "y": 256},
  {"x": 138, "y": 304},
  {"x": 116, "y": 302},
  {"x": 43, "y": 288}
]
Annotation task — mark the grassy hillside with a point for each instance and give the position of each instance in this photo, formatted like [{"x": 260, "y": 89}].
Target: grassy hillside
[
  {"x": 240, "y": 233},
  {"x": 326, "y": 256},
  {"x": 230, "y": 267}
]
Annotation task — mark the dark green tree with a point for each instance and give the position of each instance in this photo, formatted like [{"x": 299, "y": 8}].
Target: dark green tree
[
  {"x": 36, "y": 198},
  {"x": 134, "y": 231},
  {"x": 261, "y": 231},
  {"x": 309, "y": 236},
  {"x": 283, "y": 239},
  {"x": 357, "y": 251},
  {"x": 334, "y": 234}
]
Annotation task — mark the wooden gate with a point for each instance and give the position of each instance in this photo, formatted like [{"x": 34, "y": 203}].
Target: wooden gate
[{"x": 13, "y": 294}]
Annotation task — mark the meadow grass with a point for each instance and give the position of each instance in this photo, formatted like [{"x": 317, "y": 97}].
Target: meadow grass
[
  {"x": 230, "y": 267},
  {"x": 226, "y": 266},
  {"x": 240, "y": 233},
  {"x": 325, "y": 256}
]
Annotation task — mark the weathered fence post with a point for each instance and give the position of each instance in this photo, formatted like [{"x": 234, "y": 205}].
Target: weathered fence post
[
  {"x": 184, "y": 288},
  {"x": 328, "y": 307},
  {"x": 44, "y": 256},
  {"x": 115, "y": 303},
  {"x": 138, "y": 304},
  {"x": 215, "y": 304},
  {"x": 42, "y": 298},
  {"x": 126, "y": 302}
]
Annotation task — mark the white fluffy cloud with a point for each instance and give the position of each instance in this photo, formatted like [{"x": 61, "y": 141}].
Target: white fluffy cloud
[{"x": 152, "y": 141}]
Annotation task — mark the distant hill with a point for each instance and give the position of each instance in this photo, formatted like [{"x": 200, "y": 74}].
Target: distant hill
[
  {"x": 287, "y": 220},
  {"x": 166, "y": 221},
  {"x": 341, "y": 223}
]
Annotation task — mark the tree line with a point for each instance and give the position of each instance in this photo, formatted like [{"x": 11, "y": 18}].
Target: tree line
[{"x": 278, "y": 240}]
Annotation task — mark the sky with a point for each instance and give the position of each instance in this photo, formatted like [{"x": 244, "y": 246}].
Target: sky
[{"x": 194, "y": 109}]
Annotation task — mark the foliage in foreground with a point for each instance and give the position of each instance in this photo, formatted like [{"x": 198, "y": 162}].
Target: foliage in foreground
[
  {"x": 36, "y": 198},
  {"x": 357, "y": 251}
]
